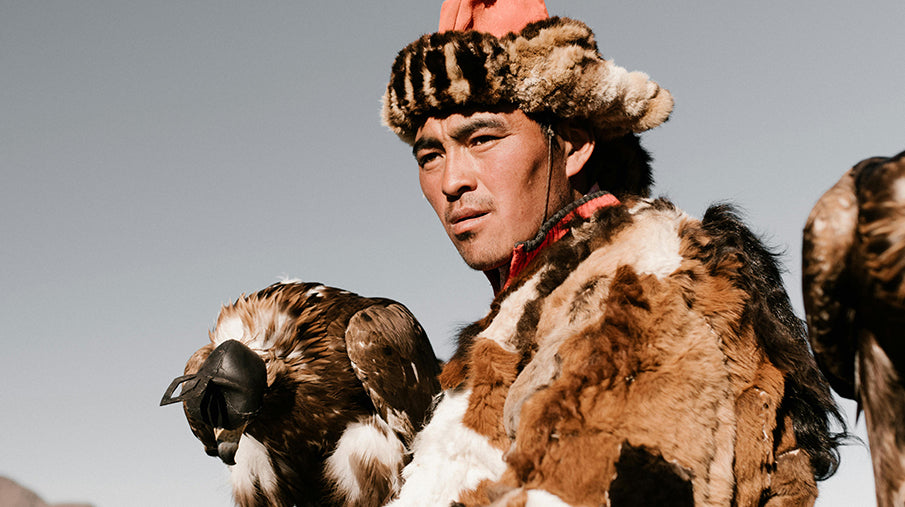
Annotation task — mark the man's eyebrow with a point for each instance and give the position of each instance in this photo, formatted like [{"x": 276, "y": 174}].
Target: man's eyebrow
[
  {"x": 460, "y": 132},
  {"x": 471, "y": 126},
  {"x": 425, "y": 143}
]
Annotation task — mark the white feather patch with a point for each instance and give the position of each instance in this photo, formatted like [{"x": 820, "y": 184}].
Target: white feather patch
[
  {"x": 364, "y": 441},
  {"x": 317, "y": 291},
  {"x": 260, "y": 330},
  {"x": 229, "y": 329},
  {"x": 252, "y": 465},
  {"x": 449, "y": 458},
  {"x": 898, "y": 190}
]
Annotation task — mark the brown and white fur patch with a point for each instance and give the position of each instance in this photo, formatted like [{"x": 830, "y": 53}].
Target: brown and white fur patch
[{"x": 448, "y": 457}]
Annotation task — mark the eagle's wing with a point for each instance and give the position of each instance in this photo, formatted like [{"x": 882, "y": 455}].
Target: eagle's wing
[
  {"x": 876, "y": 273},
  {"x": 880, "y": 252},
  {"x": 853, "y": 268},
  {"x": 827, "y": 245},
  {"x": 393, "y": 358},
  {"x": 200, "y": 429}
]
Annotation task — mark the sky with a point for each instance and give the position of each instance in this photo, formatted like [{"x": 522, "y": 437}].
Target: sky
[{"x": 161, "y": 158}]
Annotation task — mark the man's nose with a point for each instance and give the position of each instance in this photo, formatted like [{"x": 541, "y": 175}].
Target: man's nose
[{"x": 458, "y": 174}]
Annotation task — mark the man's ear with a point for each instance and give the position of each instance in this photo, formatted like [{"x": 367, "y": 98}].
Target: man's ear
[{"x": 578, "y": 145}]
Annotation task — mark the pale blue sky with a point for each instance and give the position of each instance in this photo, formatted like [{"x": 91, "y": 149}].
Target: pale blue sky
[{"x": 161, "y": 158}]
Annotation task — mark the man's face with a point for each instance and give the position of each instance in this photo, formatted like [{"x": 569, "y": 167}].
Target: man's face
[{"x": 486, "y": 176}]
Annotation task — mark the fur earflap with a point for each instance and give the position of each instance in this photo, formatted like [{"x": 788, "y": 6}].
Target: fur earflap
[{"x": 551, "y": 66}]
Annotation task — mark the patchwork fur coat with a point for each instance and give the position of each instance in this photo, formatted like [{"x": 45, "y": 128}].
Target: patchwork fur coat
[{"x": 642, "y": 358}]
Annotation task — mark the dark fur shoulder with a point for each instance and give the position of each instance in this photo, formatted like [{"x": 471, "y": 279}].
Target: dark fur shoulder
[
  {"x": 622, "y": 166},
  {"x": 782, "y": 335}
]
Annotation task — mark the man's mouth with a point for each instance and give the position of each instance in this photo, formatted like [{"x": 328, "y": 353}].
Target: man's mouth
[{"x": 462, "y": 221}]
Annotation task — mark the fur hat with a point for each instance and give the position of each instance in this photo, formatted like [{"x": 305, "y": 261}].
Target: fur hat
[{"x": 551, "y": 66}]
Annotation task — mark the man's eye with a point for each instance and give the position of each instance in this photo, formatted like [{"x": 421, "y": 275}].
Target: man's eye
[
  {"x": 478, "y": 140},
  {"x": 427, "y": 158}
]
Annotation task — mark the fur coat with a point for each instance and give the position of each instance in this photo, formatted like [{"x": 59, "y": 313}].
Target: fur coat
[{"x": 642, "y": 358}]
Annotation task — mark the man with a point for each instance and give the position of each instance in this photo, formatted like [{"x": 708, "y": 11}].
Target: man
[{"x": 632, "y": 355}]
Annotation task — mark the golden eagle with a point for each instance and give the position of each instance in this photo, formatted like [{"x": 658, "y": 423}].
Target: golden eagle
[
  {"x": 310, "y": 394},
  {"x": 853, "y": 277}
]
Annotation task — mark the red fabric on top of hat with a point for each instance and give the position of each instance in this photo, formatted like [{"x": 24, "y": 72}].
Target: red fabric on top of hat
[{"x": 497, "y": 17}]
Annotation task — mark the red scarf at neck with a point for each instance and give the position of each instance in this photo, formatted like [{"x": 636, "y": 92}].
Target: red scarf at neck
[{"x": 553, "y": 230}]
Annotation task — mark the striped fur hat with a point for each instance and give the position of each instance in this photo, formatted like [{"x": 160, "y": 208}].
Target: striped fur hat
[{"x": 550, "y": 66}]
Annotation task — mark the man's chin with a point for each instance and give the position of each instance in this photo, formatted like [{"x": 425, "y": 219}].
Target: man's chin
[
  {"x": 482, "y": 262},
  {"x": 477, "y": 256},
  {"x": 483, "y": 266}
]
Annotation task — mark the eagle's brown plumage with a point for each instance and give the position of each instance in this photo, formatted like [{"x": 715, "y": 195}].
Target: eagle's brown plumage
[
  {"x": 854, "y": 294},
  {"x": 349, "y": 381}
]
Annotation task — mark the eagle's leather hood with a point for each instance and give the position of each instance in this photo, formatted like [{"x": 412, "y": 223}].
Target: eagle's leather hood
[{"x": 228, "y": 388}]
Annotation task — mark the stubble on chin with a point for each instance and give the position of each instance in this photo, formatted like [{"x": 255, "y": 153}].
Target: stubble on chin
[{"x": 474, "y": 257}]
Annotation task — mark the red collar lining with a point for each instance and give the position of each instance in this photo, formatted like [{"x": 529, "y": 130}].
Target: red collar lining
[{"x": 553, "y": 230}]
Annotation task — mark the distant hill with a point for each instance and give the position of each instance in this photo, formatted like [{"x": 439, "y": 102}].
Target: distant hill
[{"x": 12, "y": 494}]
